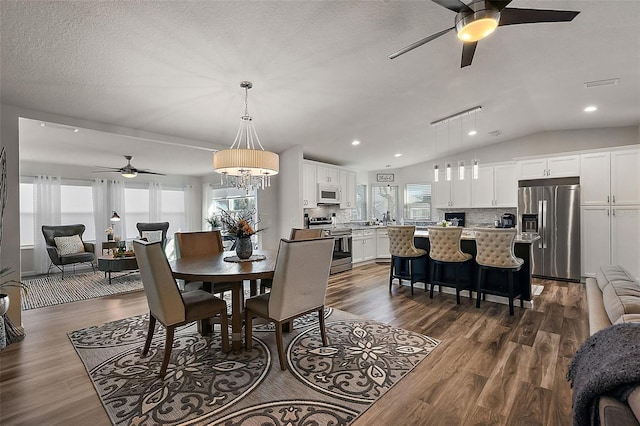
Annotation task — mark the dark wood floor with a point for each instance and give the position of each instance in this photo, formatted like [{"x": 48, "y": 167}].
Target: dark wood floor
[{"x": 491, "y": 368}]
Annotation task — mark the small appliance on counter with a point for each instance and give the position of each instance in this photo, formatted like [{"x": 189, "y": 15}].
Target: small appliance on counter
[
  {"x": 508, "y": 220},
  {"x": 456, "y": 219}
]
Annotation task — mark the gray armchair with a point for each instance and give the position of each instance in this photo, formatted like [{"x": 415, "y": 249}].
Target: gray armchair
[
  {"x": 145, "y": 228},
  {"x": 58, "y": 258}
]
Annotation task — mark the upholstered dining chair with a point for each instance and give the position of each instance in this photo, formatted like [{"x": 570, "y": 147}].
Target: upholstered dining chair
[
  {"x": 154, "y": 231},
  {"x": 299, "y": 286},
  {"x": 167, "y": 305},
  {"x": 496, "y": 253},
  {"x": 402, "y": 249},
  {"x": 296, "y": 234},
  {"x": 65, "y": 246},
  {"x": 198, "y": 244},
  {"x": 445, "y": 250}
]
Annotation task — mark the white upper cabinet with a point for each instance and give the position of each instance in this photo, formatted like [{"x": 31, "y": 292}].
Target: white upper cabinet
[
  {"x": 496, "y": 186},
  {"x": 347, "y": 189},
  {"x": 309, "y": 186},
  {"x": 625, "y": 177},
  {"x": 551, "y": 167},
  {"x": 453, "y": 193},
  {"x": 328, "y": 175},
  {"x": 610, "y": 178}
]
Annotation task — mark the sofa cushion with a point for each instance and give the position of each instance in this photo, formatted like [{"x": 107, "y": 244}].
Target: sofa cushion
[
  {"x": 628, "y": 318},
  {"x": 621, "y": 297},
  {"x": 598, "y": 318},
  {"x": 69, "y": 245},
  {"x": 614, "y": 413},
  {"x": 608, "y": 273}
]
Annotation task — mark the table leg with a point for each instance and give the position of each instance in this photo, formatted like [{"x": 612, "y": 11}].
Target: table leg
[
  {"x": 236, "y": 316},
  {"x": 254, "y": 287},
  {"x": 109, "y": 277}
]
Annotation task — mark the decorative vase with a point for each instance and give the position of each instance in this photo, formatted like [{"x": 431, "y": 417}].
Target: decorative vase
[
  {"x": 244, "y": 247},
  {"x": 4, "y": 304},
  {"x": 109, "y": 237}
]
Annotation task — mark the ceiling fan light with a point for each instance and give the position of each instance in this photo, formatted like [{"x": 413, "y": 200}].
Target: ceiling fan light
[
  {"x": 478, "y": 25},
  {"x": 129, "y": 174}
]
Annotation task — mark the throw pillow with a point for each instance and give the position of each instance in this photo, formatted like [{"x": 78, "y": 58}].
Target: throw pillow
[
  {"x": 152, "y": 236},
  {"x": 69, "y": 245}
]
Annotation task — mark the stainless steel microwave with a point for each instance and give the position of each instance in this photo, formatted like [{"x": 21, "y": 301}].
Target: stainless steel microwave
[{"x": 328, "y": 194}]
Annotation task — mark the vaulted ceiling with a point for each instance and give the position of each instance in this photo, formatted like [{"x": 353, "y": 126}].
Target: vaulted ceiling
[{"x": 321, "y": 73}]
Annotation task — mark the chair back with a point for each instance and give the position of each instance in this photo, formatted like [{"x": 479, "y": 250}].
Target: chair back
[
  {"x": 305, "y": 234},
  {"x": 147, "y": 229},
  {"x": 300, "y": 277},
  {"x": 401, "y": 241},
  {"x": 50, "y": 232},
  {"x": 163, "y": 295},
  {"x": 496, "y": 248},
  {"x": 445, "y": 244},
  {"x": 195, "y": 244}
]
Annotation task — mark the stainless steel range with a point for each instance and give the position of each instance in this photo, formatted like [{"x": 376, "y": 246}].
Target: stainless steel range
[{"x": 342, "y": 248}]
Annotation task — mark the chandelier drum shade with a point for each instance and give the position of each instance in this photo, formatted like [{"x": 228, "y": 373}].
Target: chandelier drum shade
[{"x": 248, "y": 164}]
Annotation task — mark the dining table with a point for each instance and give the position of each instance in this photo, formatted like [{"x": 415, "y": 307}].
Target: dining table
[{"x": 215, "y": 269}]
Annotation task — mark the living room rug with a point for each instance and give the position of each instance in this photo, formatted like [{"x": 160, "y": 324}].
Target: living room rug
[
  {"x": 53, "y": 290},
  {"x": 323, "y": 386}
]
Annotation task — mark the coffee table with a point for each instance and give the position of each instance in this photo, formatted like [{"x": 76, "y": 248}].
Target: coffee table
[{"x": 109, "y": 264}]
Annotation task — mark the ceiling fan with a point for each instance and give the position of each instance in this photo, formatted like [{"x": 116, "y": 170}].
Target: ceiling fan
[
  {"x": 128, "y": 171},
  {"x": 478, "y": 19}
]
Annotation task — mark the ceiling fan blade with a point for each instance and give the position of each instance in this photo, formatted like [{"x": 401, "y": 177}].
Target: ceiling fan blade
[
  {"x": 419, "y": 43},
  {"x": 468, "y": 50},
  {"x": 512, "y": 16},
  {"x": 455, "y": 5},
  {"x": 144, "y": 172},
  {"x": 499, "y": 4},
  {"x": 107, "y": 169}
]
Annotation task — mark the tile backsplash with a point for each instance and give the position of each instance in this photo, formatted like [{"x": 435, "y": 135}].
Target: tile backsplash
[{"x": 477, "y": 217}]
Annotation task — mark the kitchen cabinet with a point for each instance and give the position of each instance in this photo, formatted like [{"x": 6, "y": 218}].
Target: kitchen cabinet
[
  {"x": 382, "y": 244},
  {"x": 364, "y": 245},
  {"x": 328, "y": 175},
  {"x": 309, "y": 186},
  {"x": 551, "y": 167},
  {"x": 610, "y": 178},
  {"x": 347, "y": 189},
  {"x": 609, "y": 235},
  {"x": 453, "y": 193},
  {"x": 496, "y": 186}
]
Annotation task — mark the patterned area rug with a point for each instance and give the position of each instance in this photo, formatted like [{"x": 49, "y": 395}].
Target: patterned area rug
[
  {"x": 324, "y": 385},
  {"x": 53, "y": 290}
]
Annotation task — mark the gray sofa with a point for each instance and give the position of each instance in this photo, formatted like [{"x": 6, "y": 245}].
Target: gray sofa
[{"x": 613, "y": 297}]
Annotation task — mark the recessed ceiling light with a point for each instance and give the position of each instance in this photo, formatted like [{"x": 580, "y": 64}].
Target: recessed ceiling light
[
  {"x": 472, "y": 133},
  {"x": 398, "y": 155},
  {"x": 591, "y": 108},
  {"x": 355, "y": 143}
]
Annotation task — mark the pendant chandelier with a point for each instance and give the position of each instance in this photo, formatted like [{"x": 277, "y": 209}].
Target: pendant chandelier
[{"x": 243, "y": 165}]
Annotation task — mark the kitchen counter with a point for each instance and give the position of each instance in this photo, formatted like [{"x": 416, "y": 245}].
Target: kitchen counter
[{"x": 469, "y": 234}]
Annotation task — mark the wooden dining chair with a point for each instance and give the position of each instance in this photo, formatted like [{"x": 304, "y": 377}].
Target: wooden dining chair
[
  {"x": 168, "y": 305},
  {"x": 199, "y": 244},
  {"x": 297, "y": 234},
  {"x": 299, "y": 286}
]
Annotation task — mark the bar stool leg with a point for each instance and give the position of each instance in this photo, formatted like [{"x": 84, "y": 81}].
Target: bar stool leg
[
  {"x": 478, "y": 290},
  {"x": 510, "y": 280}
]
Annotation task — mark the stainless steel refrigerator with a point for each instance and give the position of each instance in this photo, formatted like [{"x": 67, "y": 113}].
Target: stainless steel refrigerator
[{"x": 551, "y": 208}]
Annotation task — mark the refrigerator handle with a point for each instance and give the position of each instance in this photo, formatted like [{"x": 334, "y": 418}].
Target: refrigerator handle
[
  {"x": 544, "y": 224},
  {"x": 540, "y": 224}
]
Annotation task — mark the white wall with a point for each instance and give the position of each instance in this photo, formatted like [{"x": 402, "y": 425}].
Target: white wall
[{"x": 289, "y": 212}]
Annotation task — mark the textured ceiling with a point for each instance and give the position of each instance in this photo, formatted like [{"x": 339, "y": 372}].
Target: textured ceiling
[{"x": 321, "y": 76}]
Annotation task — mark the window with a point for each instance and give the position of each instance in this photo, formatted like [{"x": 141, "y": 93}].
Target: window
[
  {"x": 76, "y": 206},
  {"x": 172, "y": 210},
  {"x": 26, "y": 214},
  {"x": 384, "y": 198},
  {"x": 360, "y": 212},
  {"x": 136, "y": 202},
  {"x": 418, "y": 201}
]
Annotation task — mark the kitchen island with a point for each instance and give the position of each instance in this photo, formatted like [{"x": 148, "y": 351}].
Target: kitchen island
[{"x": 422, "y": 267}]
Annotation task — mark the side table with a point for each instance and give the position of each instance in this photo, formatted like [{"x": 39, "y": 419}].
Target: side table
[{"x": 109, "y": 246}]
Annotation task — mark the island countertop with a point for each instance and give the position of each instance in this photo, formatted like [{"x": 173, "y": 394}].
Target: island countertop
[{"x": 469, "y": 234}]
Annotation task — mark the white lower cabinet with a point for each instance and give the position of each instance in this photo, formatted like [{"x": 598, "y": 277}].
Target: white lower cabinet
[
  {"x": 364, "y": 245},
  {"x": 382, "y": 244},
  {"x": 610, "y": 235}
]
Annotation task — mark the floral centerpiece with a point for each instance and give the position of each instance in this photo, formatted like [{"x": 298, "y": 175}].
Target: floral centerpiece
[
  {"x": 444, "y": 223},
  {"x": 241, "y": 226},
  {"x": 109, "y": 232}
]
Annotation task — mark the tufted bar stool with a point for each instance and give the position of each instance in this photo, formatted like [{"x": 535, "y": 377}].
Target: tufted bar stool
[
  {"x": 401, "y": 248},
  {"x": 495, "y": 253},
  {"x": 445, "y": 250}
]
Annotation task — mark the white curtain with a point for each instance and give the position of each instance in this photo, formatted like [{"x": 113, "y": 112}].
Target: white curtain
[
  {"x": 192, "y": 221},
  {"x": 116, "y": 201},
  {"x": 101, "y": 211},
  {"x": 46, "y": 203},
  {"x": 207, "y": 205},
  {"x": 155, "y": 202}
]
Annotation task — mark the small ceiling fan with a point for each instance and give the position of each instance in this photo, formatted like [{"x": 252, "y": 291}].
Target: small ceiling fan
[
  {"x": 478, "y": 19},
  {"x": 128, "y": 171}
]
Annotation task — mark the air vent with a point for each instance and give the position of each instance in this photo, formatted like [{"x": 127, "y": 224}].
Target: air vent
[
  {"x": 496, "y": 133},
  {"x": 600, "y": 83}
]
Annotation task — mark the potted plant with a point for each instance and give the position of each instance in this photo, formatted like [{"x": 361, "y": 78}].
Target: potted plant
[
  {"x": 214, "y": 222},
  {"x": 241, "y": 226},
  {"x": 4, "y": 298}
]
